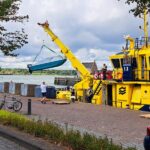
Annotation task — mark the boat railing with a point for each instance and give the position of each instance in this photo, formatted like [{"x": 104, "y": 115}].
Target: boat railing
[
  {"x": 139, "y": 42},
  {"x": 141, "y": 74},
  {"x": 136, "y": 75}
]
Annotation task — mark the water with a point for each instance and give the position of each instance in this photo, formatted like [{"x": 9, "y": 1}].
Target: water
[{"x": 30, "y": 79}]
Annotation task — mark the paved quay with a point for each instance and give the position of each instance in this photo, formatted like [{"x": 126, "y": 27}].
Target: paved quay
[{"x": 122, "y": 125}]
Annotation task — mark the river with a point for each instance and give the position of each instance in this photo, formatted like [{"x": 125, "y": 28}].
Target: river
[{"x": 30, "y": 79}]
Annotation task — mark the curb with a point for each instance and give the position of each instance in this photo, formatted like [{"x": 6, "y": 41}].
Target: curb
[{"x": 26, "y": 140}]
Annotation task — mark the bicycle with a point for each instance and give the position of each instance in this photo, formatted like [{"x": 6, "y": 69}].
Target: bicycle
[{"x": 13, "y": 104}]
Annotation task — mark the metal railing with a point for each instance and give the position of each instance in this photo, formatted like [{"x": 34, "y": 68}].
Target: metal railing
[
  {"x": 139, "y": 42},
  {"x": 137, "y": 75}
]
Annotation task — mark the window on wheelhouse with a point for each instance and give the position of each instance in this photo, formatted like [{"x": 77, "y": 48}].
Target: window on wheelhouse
[
  {"x": 134, "y": 63},
  {"x": 116, "y": 63}
]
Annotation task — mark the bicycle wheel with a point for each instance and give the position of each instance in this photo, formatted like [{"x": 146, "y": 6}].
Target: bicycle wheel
[{"x": 17, "y": 105}]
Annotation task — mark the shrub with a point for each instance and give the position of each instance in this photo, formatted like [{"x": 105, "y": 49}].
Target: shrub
[{"x": 74, "y": 139}]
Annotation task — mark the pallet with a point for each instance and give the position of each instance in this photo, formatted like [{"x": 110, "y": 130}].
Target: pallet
[
  {"x": 145, "y": 116},
  {"x": 60, "y": 102}
]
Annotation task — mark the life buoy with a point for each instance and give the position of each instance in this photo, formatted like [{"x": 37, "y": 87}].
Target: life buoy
[
  {"x": 95, "y": 76},
  {"x": 119, "y": 75},
  {"x": 101, "y": 76}
]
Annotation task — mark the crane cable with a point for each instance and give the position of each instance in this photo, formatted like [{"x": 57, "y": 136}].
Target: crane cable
[{"x": 47, "y": 48}]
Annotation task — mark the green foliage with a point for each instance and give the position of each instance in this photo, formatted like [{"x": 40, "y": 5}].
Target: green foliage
[
  {"x": 4, "y": 7},
  {"x": 10, "y": 41},
  {"x": 44, "y": 72},
  {"x": 54, "y": 133},
  {"x": 74, "y": 139},
  {"x": 140, "y": 6}
]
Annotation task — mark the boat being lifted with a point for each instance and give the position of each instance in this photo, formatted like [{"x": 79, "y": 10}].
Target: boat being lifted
[
  {"x": 45, "y": 65},
  {"x": 52, "y": 62}
]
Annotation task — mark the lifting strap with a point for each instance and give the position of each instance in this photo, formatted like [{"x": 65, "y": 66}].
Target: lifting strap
[{"x": 47, "y": 48}]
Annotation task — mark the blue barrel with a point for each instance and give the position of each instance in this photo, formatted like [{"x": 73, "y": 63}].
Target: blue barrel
[
  {"x": 12, "y": 88},
  {"x": 24, "y": 89},
  {"x": 51, "y": 92},
  {"x": 37, "y": 92},
  {"x": 1, "y": 87}
]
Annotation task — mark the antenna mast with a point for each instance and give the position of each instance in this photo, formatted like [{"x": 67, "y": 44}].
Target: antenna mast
[{"x": 145, "y": 24}]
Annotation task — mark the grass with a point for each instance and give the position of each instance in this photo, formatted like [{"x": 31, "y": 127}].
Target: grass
[{"x": 54, "y": 133}]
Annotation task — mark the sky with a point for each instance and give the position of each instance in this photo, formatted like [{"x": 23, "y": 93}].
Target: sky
[{"x": 92, "y": 29}]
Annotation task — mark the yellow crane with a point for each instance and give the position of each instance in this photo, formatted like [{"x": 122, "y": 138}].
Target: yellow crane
[
  {"x": 87, "y": 78},
  {"x": 130, "y": 86}
]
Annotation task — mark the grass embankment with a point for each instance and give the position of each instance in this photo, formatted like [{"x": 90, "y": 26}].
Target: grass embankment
[{"x": 54, "y": 133}]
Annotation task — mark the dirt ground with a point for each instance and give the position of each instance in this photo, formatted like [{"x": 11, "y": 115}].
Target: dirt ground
[{"x": 124, "y": 126}]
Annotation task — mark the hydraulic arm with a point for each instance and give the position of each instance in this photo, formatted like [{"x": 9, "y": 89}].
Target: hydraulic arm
[{"x": 87, "y": 78}]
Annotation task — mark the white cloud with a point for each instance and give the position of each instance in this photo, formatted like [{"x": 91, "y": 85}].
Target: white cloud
[
  {"x": 99, "y": 55},
  {"x": 92, "y": 29},
  {"x": 15, "y": 62}
]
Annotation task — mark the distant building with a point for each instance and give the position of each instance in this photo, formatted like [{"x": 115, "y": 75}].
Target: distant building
[{"x": 91, "y": 66}]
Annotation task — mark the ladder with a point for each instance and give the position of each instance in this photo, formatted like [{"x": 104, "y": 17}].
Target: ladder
[{"x": 98, "y": 88}]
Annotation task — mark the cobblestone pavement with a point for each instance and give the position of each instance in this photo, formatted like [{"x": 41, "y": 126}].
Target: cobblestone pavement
[
  {"x": 122, "y": 125},
  {"x": 6, "y": 144}
]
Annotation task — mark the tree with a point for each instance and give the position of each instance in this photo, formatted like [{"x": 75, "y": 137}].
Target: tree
[
  {"x": 141, "y": 5},
  {"x": 10, "y": 41}
]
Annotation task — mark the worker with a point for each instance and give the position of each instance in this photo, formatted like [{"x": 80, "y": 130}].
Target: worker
[
  {"x": 43, "y": 91},
  {"x": 104, "y": 70},
  {"x": 73, "y": 95},
  {"x": 89, "y": 94}
]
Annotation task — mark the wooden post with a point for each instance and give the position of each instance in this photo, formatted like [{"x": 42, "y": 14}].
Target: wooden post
[{"x": 29, "y": 106}]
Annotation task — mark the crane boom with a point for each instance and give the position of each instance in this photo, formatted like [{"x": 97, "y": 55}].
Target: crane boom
[
  {"x": 67, "y": 52},
  {"x": 87, "y": 78}
]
